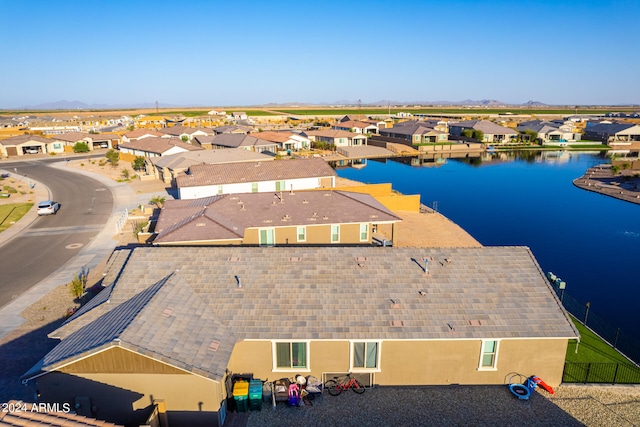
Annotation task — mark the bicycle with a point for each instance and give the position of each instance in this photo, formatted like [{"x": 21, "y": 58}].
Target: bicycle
[{"x": 338, "y": 384}]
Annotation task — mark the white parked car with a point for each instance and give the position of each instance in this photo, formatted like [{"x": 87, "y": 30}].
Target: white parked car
[{"x": 48, "y": 207}]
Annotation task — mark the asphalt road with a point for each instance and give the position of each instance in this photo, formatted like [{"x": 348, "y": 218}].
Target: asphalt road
[{"x": 50, "y": 241}]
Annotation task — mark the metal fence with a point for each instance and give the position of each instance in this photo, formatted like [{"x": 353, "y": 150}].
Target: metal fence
[
  {"x": 605, "y": 373},
  {"x": 613, "y": 335}
]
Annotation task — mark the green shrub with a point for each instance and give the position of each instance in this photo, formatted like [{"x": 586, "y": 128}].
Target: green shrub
[{"x": 81, "y": 147}]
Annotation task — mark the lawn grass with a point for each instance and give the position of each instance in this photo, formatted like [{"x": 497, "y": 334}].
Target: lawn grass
[
  {"x": 11, "y": 213},
  {"x": 592, "y": 348}
]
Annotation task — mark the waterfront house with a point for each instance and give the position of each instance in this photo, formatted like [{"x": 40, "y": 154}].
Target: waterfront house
[
  {"x": 174, "y": 324},
  {"x": 613, "y": 133},
  {"x": 414, "y": 133},
  {"x": 492, "y": 133},
  {"x": 285, "y": 140},
  {"x": 550, "y": 132},
  {"x": 282, "y": 175},
  {"x": 273, "y": 219}
]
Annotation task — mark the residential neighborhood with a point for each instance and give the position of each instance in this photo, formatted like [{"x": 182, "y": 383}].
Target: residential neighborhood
[{"x": 256, "y": 258}]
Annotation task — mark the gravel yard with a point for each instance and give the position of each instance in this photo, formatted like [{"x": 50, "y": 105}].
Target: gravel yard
[{"x": 457, "y": 406}]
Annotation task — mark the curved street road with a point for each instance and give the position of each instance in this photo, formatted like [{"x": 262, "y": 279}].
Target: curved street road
[{"x": 50, "y": 241}]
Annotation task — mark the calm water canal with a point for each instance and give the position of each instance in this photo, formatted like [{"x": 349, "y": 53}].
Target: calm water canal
[{"x": 589, "y": 240}]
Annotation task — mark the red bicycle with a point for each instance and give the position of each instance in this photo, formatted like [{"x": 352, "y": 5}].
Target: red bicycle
[{"x": 338, "y": 384}]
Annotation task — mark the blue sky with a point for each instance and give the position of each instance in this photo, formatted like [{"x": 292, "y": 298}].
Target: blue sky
[{"x": 215, "y": 53}]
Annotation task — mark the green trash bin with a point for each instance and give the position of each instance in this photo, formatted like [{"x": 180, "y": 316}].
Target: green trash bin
[
  {"x": 255, "y": 395},
  {"x": 241, "y": 396}
]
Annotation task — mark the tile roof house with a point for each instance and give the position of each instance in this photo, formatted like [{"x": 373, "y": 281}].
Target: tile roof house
[
  {"x": 236, "y": 140},
  {"x": 549, "y": 132},
  {"x": 28, "y": 144},
  {"x": 154, "y": 147},
  {"x": 175, "y": 323},
  {"x": 285, "y": 140},
  {"x": 232, "y": 129},
  {"x": 338, "y": 138},
  {"x": 141, "y": 134},
  {"x": 355, "y": 126},
  {"x": 166, "y": 168},
  {"x": 183, "y": 132},
  {"x": 613, "y": 132},
  {"x": 299, "y": 218},
  {"x": 282, "y": 175},
  {"x": 93, "y": 140},
  {"x": 415, "y": 133},
  {"x": 492, "y": 132}
]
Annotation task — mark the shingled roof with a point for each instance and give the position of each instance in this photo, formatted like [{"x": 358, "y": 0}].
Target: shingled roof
[
  {"x": 227, "y": 216},
  {"x": 158, "y": 145},
  {"x": 158, "y": 322},
  {"x": 286, "y": 293},
  {"x": 200, "y": 175}
]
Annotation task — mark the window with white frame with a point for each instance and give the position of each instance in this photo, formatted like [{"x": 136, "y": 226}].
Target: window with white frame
[
  {"x": 489, "y": 355},
  {"x": 291, "y": 355},
  {"x": 254, "y": 187},
  {"x": 219, "y": 189},
  {"x": 335, "y": 233},
  {"x": 365, "y": 355},
  {"x": 267, "y": 236},
  {"x": 301, "y": 234},
  {"x": 364, "y": 232},
  {"x": 280, "y": 186}
]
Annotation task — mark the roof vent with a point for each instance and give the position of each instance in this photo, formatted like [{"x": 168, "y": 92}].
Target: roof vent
[
  {"x": 286, "y": 218},
  {"x": 396, "y": 323},
  {"x": 475, "y": 322},
  {"x": 167, "y": 312},
  {"x": 242, "y": 207},
  {"x": 233, "y": 259},
  {"x": 200, "y": 224},
  {"x": 373, "y": 216},
  {"x": 325, "y": 217},
  {"x": 267, "y": 221},
  {"x": 327, "y": 194},
  {"x": 214, "y": 345},
  {"x": 422, "y": 293},
  {"x": 394, "y": 303},
  {"x": 295, "y": 258},
  {"x": 305, "y": 201}
]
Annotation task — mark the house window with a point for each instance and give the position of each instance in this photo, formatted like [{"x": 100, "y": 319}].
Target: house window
[
  {"x": 219, "y": 189},
  {"x": 302, "y": 234},
  {"x": 267, "y": 236},
  {"x": 489, "y": 355},
  {"x": 335, "y": 233},
  {"x": 364, "y": 232},
  {"x": 280, "y": 186},
  {"x": 364, "y": 355},
  {"x": 291, "y": 355},
  {"x": 254, "y": 187}
]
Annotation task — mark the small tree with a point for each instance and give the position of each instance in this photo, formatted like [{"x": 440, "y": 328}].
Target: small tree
[
  {"x": 158, "y": 201},
  {"x": 138, "y": 163},
  {"x": 81, "y": 147},
  {"x": 125, "y": 173},
  {"x": 113, "y": 157},
  {"x": 184, "y": 138},
  {"x": 78, "y": 284},
  {"x": 477, "y": 134}
]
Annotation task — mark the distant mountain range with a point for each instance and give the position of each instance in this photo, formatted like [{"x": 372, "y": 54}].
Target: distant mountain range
[{"x": 79, "y": 105}]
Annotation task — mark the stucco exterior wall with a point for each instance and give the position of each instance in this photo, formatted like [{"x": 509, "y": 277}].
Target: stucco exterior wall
[
  {"x": 236, "y": 188},
  {"x": 315, "y": 234},
  {"x": 437, "y": 362}
]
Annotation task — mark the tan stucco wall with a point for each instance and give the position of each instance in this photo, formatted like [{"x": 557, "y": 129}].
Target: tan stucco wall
[
  {"x": 418, "y": 362},
  {"x": 374, "y": 190},
  {"x": 316, "y": 234},
  {"x": 120, "y": 398}
]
